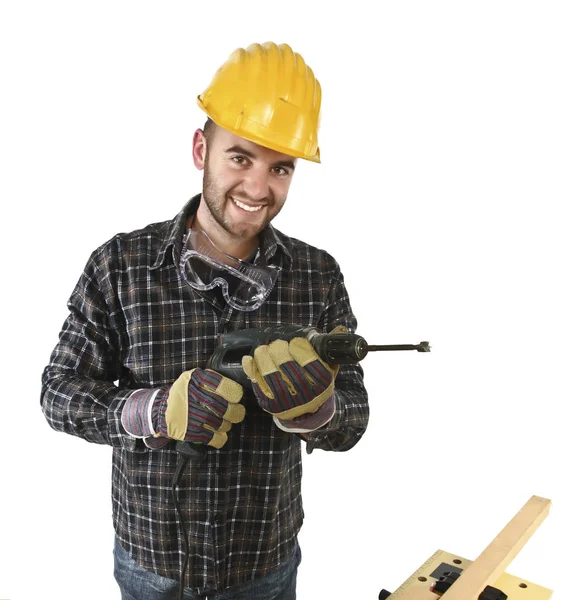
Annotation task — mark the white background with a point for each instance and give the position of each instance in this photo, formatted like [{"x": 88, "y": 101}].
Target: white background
[{"x": 438, "y": 193}]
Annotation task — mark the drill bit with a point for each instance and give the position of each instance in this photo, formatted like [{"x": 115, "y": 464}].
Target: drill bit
[{"x": 422, "y": 347}]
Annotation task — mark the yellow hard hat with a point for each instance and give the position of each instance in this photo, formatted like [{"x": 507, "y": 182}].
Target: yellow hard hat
[{"x": 268, "y": 95}]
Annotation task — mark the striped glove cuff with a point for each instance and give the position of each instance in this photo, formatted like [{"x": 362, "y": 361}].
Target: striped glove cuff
[
  {"x": 310, "y": 421},
  {"x": 139, "y": 414}
]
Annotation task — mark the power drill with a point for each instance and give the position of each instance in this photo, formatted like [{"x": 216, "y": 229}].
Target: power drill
[{"x": 333, "y": 348}]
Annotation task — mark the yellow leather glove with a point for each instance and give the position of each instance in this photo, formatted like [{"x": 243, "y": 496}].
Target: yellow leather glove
[
  {"x": 201, "y": 407},
  {"x": 289, "y": 379}
]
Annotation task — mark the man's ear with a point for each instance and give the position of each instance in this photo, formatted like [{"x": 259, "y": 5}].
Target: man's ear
[{"x": 199, "y": 149}]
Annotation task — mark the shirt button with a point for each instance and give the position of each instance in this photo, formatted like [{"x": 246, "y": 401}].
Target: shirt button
[{"x": 219, "y": 519}]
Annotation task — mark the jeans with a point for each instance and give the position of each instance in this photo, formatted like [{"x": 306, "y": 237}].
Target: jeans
[{"x": 138, "y": 584}]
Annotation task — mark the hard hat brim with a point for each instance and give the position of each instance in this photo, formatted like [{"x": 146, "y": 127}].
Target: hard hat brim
[{"x": 256, "y": 139}]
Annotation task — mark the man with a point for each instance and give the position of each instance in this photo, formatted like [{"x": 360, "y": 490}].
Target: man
[{"x": 145, "y": 316}]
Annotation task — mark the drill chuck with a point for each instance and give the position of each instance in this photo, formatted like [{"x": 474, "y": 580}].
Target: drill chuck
[{"x": 339, "y": 348}]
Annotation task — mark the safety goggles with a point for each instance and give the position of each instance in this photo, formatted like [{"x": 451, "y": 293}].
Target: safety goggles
[{"x": 245, "y": 286}]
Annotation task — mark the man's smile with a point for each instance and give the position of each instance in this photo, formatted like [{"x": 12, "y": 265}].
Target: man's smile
[{"x": 247, "y": 207}]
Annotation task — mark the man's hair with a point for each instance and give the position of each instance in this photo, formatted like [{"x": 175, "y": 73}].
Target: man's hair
[{"x": 208, "y": 130}]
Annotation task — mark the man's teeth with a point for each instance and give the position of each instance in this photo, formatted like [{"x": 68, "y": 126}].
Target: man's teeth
[{"x": 246, "y": 207}]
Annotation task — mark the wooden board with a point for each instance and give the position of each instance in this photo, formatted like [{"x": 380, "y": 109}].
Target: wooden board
[{"x": 491, "y": 563}]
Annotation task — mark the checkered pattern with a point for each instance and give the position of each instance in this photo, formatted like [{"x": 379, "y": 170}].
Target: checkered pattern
[{"x": 134, "y": 325}]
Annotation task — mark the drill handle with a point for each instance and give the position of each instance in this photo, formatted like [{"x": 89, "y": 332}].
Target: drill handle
[{"x": 227, "y": 360}]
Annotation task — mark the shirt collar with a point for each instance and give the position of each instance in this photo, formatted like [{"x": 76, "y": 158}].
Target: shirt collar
[
  {"x": 274, "y": 250},
  {"x": 173, "y": 236}
]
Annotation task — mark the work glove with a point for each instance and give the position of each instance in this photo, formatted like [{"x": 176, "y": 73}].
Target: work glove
[
  {"x": 291, "y": 382},
  {"x": 199, "y": 407}
]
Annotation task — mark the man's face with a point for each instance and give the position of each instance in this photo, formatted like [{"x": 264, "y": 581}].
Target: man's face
[{"x": 244, "y": 185}]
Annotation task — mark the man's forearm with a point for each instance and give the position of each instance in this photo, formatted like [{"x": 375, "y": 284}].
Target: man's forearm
[{"x": 84, "y": 407}]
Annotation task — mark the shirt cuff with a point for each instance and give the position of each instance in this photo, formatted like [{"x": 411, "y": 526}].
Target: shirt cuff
[{"x": 309, "y": 422}]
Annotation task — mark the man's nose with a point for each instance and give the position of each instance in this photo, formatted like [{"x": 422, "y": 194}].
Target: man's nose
[{"x": 256, "y": 184}]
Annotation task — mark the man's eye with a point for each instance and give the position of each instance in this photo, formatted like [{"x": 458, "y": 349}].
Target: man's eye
[
  {"x": 280, "y": 171},
  {"x": 240, "y": 160}
]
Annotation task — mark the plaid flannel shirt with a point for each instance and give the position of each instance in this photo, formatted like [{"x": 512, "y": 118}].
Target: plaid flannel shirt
[{"x": 133, "y": 324}]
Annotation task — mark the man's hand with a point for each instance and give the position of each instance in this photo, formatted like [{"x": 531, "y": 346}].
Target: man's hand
[
  {"x": 200, "y": 407},
  {"x": 291, "y": 382}
]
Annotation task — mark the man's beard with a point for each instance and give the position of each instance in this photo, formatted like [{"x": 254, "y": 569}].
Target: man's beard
[{"x": 217, "y": 202}]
